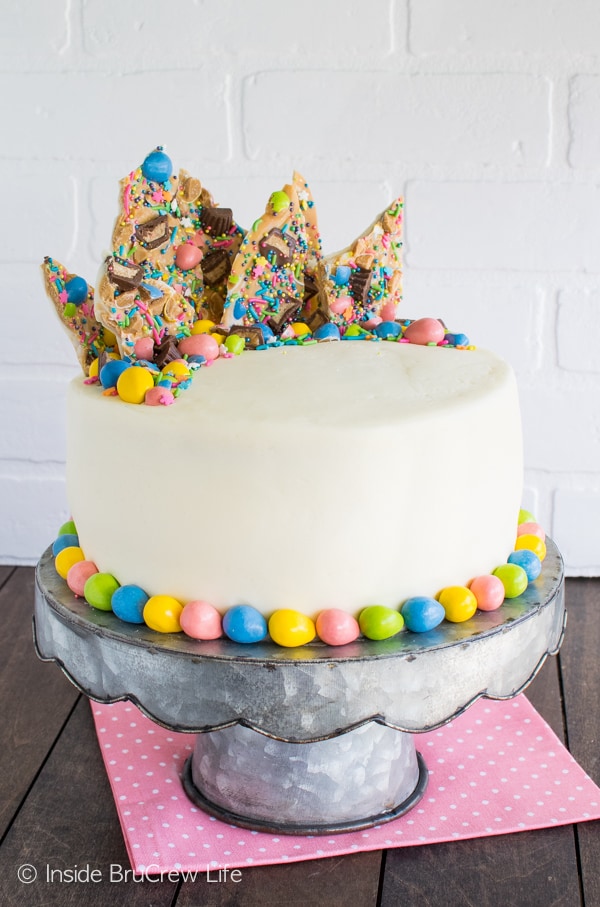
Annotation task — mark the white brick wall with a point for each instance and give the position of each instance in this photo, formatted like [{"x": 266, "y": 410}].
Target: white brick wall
[{"x": 487, "y": 116}]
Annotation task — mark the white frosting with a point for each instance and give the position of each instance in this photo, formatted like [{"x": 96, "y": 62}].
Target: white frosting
[{"x": 338, "y": 475}]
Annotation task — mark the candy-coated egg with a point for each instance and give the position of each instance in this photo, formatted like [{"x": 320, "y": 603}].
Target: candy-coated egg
[
  {"x": 78, "y": 576},
  {"x": 379, "y": 622},
  {"x": 133, "y": 383},
  {"x": 421, "y": 613},
  {"x": 300, "y": 329},
  {"x": 99, "y": 590},
  {"x": 388, "y": 329},
  {"x": 329, "y": 331},
  {"x": 239, "y": 308},
  {"x": 355, "y": 330},
  {"x": 342, "y": 275},
  {"x": 188, "y": 256},
  {"x": 528, "y": 560},
  {"x": 77, "y": 290},
  {"x": 67, "y": 528},
  {"x": 235, "y": 344},
  {"x": 128, "y": 603},
  {"x": 65, "y": 559},
  {"x": 162, "y": 613},
  {"x": 69, "y": 540},
  {"x": 388, "y": 311},
  {"x": 243, "y": 623},
  {"x": 458, "y": 602},
  {"x": 424, "y": 331},
  {"x": 144, "y": 348},
  {"x": 199, "y": 345},
  {"x": 109, "y": 374},
  {"x": 176, "y": 370},
  {"x": 525, "y": 516},
  {"x": 201, "y": 620},
  {"x": 203, "y": 326},
  {"x": 533, "y": 543},
  {"x": 336, "y": 627},
  {"x": 267, "y": 332},
  {"x": 291, "y": 628},
  {"x": 488, "y": 590},
  {"x": 339, "y": 305},
  {"x": 157, "y": 166},
  {"x": 514, "y": 579},
  {"x": 159, "y": 396},
  {"x": 531, "y": 529},
  {"x": 279, "y": 201}
]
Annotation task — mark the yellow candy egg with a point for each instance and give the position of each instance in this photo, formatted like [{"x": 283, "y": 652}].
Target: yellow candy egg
[
  {"x": 458, "y": 602},
  {"x": 133, "y": 384},
  {"x": 203, "y": 326},
  {"x": 176, "y": 369},
  {"x": 65, "y": 559},
  {"x": 532, "y": 543},
  {"x": 109, "y": 338},
  {"x": 219, "y": 338},
  {"x": 300, "y": 329},
  {"x": 162, "y": 613},
  {"x": 290, "y": 628}
]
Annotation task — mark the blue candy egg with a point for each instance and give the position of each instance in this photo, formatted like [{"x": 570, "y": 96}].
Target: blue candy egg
[
  {"x": 267, "y": 332},
  {"x": 128, "y": 604},
  {"x": 195, "y": 360},
  {"x": 243, "y": 623},
  {"x": 109, "y": 373},
  {"x": 65, "y": 541},
  {"x": 239, "y": 309},
  {"x": 388, "y": 329},
  {"x": 157, "y": 166},
  {"x": 77, "y": 290},
  {"x": 329, "y": 331},
  {"x": 422, "y": 613},
  {"x": 342, "y": 275},
  {"x": 457, "y": 339},
  {"x": 528, "y": 560}
]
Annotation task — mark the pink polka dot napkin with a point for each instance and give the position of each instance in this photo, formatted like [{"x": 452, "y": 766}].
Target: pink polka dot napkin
[{"x": 497, "y": 769}]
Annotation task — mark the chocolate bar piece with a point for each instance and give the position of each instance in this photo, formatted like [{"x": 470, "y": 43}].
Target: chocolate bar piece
[
  {"x": 359, "y": 284},
  {"x": 153, "y": 233},
  {"x": 215, "y": 266},
  {"x": 124, "y": 274},
  {"x": 310, "y": 287},
  {"x": 279, "y": 244},
  {"x": 166, "y": 352},
  {"x": 252, "y": 334},
  {"x": 316, "y": 319},
  {"x": 216, "y": 221},
  {"x": 285, "y": 313}
]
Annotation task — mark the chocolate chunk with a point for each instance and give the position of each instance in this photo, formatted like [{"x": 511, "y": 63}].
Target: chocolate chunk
[
  {"x": 216, "y": 221},
  {"x": 191, "y": 189},
  {"x": 359, "y": 284},
  {"x": 166, "y": 352},
  {"x": 316, "y": 319},
  {"x": 153, "y": 233},
  {"x": 216, "y": 266},
  {"x": 278, "y": 244},
  {"x": 124, "y": 274},
  {"x": 310, "y": 287},
  {"x": 285, "y": 313},
  {"x": 252, "y": 334},
  {"x": 213, "y": 302}
]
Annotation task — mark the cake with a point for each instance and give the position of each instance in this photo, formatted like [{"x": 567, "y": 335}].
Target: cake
[{"x": 335, "y": 465}]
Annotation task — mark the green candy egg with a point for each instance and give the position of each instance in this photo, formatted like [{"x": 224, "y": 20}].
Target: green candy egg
[
  {"x": 525, "y": 516},
  {"x": 99, "y": 590},
  {"x": 68, "y": 528},
  {"x": 279, "y": 201},
  {"x": 235, "y": 344},
  {"x": 513, "y": 578},
  {"x": 379, "y": 622}
]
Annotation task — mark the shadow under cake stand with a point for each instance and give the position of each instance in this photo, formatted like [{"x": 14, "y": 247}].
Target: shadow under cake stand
[{"x": 309, "y": 740}]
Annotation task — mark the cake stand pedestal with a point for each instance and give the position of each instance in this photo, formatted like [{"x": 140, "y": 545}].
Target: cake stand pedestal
[{"x": 310, "y": 740}]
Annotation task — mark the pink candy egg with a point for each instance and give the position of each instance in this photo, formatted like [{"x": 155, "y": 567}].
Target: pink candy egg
[
  {"x": 144, "y": 348},
  {"x": 531, "y": 529},
  {"x": 201, "y": 620},
  {"x": 336, "y": 627},
  {"x": 424, "y": 331},
  {"x": 159, "y": 396},
  {"x": 388, "y": 312},
  {"x": 79, "y": 574},
  {"x": 188, "y": 256},
  {"x": 199, "y": 345},
  {"x": 340, "y": 304},
  {"x": 489, "y": 592}
]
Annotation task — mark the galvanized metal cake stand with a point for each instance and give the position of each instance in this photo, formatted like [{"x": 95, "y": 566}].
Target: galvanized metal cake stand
[{"x": 309, "y": 740}]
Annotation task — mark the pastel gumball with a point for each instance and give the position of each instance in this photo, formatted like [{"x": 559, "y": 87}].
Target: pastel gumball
[
  {"x": 65, "y": 559},
  {"x": 458, "y": 602},
  {"x": 531, "y": 529},
  {"x": 65, "y": 541},
  {"x": 339, "y": 305},
  {"x": 380, "y": 622},
  {"x": 533, "y": 543},
  {"x": 128, "y": 603},
  {"x": 188, "y": 256},
  {"x": 199, "y": 345},
  {"x": 99, "y": 589},
  {"x": 489, "y": 592},
  {"x": 78, "y": 576},
  {"x": 514, "y": 579},
  {"x": 68, "y": 528},
  {"x": 526, "y": 516},
  {"x": 201, "y": 620},
  {"x": 159, "y": 396},
  {"x": 529, "y": 561},
  {"x": 133, "y": 384},
  {"x": 290, "y": 628},
  {"x": 144, "y": 349},
  {"x": 162, "y": 613},
  {"x": 336, "y": 627},
  {"x": 424, "y": 331}
]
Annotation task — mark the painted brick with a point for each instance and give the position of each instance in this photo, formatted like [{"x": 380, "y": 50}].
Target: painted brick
[
  {"x": 584, "y": 121},
  {"x": 561, "y": 428},
  {"x": 33, "y": 33},
  {"x": 26, "y": 239},
  {"x": 504, "y": 226},
  {"x": 118, "y": 116},
  {"x": 576, "y": 528},
  {"x": 137, "y": 30},
  {"x": 482, "y": 27},
  {"x": 578, "y": 330},
  {"x": 41, "y": 435},
  {"x": 33, "y": 507},
  {"x": 442, "y": 119}
]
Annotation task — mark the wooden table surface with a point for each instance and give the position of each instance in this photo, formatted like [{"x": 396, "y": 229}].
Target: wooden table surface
[{"x": 57, "y": 810}]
